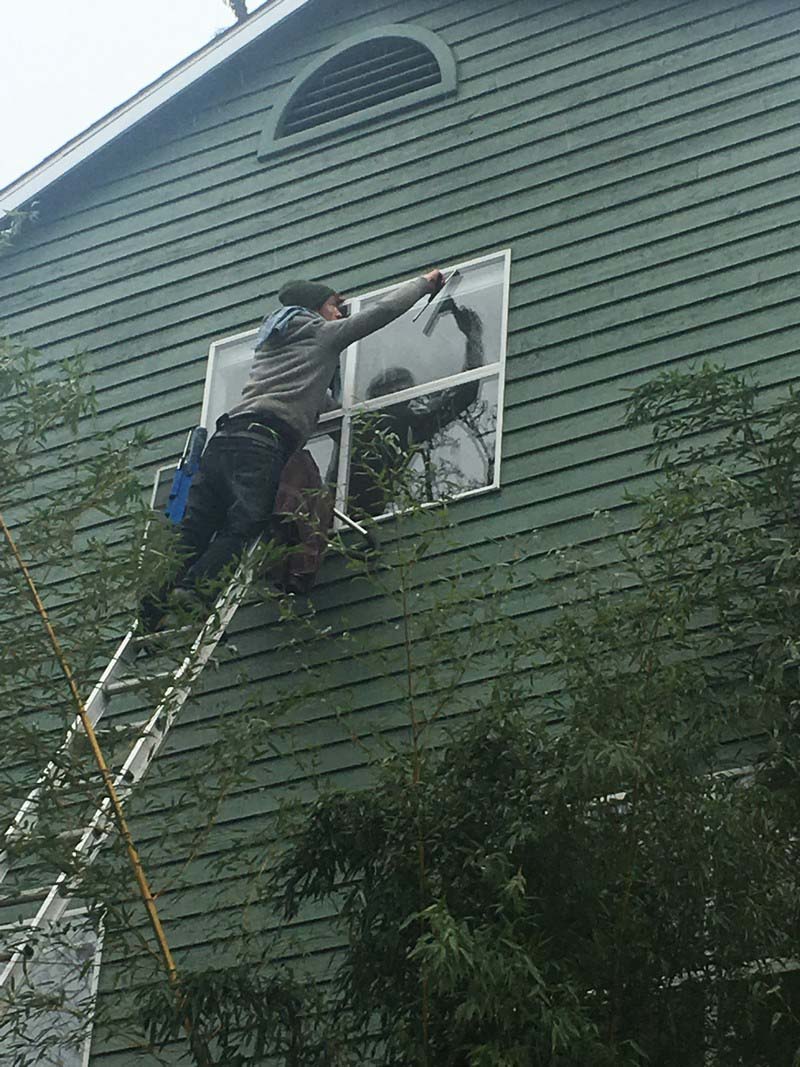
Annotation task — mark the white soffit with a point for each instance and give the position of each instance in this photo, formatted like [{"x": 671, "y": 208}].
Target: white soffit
[{"x": 156, "y": 94}]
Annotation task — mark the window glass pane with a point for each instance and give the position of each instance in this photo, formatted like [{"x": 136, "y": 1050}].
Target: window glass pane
[
  {"x": 455, "y": 335},
  {"x": 230, "y": 370},
  {"x": 325, "y": 450},
  {"x": 336, "y": 382},
  {"x": 446, "y": 436},
  {"x": 58, "y": 989},
  {"x": 425, "y": 449}
]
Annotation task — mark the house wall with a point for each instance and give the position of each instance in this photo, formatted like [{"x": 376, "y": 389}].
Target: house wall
[{"x": 639, "y": 161}]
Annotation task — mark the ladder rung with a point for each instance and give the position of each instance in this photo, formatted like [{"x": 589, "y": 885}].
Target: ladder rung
[
  {"x": 76, "y": 833},
  {"x": 120, "y": 730},
  {"x": 69, "y": 835},
  {"x": 142, "y": 640},
  {"x": 7, "y": 955},
  {"x": 126, "y": 685},
  {"x": 183, "y": 676},
  {"x": 24, "y": 896}
]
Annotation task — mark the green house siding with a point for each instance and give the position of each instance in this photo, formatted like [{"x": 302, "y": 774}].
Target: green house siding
[{"x": 638, "y": 159}]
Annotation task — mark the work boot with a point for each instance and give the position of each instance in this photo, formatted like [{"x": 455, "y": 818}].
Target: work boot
[
  {"x": 183, "y": 608},
  {"x": 150, "y": 614}
]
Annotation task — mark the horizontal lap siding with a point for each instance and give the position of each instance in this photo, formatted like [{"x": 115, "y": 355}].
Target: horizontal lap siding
[{"x": 638, "y": 158}]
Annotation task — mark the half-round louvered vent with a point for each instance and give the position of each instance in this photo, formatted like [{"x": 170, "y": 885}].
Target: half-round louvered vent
[
  {"x": 383, "y": 70},
  {"x": 359, "y": 78}
]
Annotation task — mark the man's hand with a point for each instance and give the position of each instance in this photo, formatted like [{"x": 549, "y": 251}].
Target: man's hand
[{"x": 436, "y": 280}]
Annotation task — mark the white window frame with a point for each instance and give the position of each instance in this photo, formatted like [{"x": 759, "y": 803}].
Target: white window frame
[
  {"x": 343, "y": 416},
  {"x": 93, "y": 978},
  {"x": 166, "y": 470}
]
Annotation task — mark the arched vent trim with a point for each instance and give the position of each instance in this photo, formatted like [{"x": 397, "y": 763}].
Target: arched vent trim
[{"x": 376, "y": 73}]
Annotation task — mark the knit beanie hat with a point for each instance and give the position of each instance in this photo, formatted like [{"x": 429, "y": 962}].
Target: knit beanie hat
[{"x": 298, "y": 293}]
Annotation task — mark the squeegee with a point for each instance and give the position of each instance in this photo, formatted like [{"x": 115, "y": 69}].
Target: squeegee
[{"x": 449, "y": 287}]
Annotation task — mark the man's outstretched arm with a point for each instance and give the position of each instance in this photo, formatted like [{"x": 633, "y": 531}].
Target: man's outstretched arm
[{"x": 344, "y": 332}]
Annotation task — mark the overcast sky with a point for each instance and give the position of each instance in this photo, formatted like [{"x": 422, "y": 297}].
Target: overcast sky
[{"x": 66, "y": 63}]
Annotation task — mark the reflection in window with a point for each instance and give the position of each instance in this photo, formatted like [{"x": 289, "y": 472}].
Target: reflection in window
[
  {"x": 422, "y": 397},
  {"x": 457, "y": 334},
  {"x": 432, "y": 447}
]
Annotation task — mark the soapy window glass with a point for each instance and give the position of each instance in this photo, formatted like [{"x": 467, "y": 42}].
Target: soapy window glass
[{"x": 440, "y": 350}]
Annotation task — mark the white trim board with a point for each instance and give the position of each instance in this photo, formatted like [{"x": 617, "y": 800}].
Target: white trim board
[{"x": 144, "y": 103}]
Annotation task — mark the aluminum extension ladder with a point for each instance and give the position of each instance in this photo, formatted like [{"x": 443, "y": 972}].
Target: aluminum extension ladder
[
  {"x": 54, "y": 900},
  {"x": 47, "y": 904}
]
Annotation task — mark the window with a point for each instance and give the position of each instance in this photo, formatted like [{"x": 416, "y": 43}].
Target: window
[
  {"x": 421, "y": 400},
  {"x": 418, "y": 401},
  {"x": 375, "y": 73},
  {"x": 54, "y": 1001}
]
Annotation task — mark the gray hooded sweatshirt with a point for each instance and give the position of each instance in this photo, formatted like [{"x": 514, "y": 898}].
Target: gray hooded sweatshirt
[{"x": 293, "y": 368}]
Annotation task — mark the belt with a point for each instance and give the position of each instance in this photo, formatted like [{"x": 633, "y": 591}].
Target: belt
[{"x": 267, "y": 425}]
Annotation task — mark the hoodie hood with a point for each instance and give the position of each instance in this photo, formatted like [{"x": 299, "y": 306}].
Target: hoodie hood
[{"x": 275, "y": 327}]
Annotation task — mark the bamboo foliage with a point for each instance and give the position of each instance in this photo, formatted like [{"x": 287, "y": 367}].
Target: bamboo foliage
[{"x": 570, "y": 833}]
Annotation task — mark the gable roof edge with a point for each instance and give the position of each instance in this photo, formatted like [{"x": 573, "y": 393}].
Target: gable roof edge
[{"x": 144, "y": 103}]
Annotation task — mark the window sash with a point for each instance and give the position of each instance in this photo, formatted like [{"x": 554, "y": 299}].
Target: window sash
[
  {"x": 342, "y": 422},
  {"x": 494, "y": 370}
]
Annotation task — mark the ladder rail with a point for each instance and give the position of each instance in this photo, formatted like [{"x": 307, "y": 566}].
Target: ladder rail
[
  {"x": 179, "y": 690},
  {"x": 56, "y": 899},
  {"x": 53, "y": 774},
  {"x": 140, "y": 756}
]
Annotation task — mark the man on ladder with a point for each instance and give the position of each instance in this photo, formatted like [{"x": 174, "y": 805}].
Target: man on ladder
[
  {"x": 230, "y": 503},
  {"x": 297, "y": 351}
]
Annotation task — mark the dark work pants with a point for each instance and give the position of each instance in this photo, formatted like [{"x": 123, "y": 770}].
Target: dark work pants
[{"x": 230, "y": 502}]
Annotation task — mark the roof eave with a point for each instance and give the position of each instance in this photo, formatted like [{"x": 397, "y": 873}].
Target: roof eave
[{"x": 155, "y": 95}]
